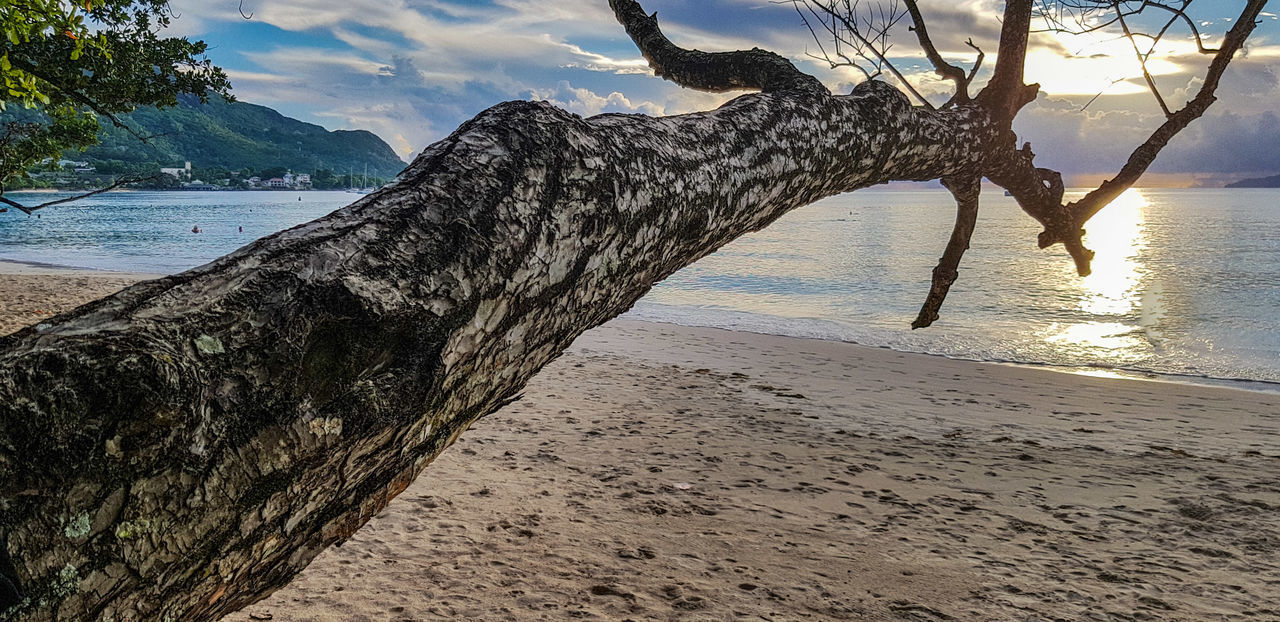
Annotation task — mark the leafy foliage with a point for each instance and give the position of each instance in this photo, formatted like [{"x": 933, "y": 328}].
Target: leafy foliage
[{"x": 78, "y": 63}]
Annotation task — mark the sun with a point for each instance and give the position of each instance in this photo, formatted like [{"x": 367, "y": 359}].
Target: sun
[{"x": 1071, "y": 64}]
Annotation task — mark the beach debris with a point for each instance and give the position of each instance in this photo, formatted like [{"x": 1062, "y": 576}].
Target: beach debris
[
  {"x": 637, "y": 553},
  {"x": 609, "y": 590},
  {"x": 682, "y": 485}
]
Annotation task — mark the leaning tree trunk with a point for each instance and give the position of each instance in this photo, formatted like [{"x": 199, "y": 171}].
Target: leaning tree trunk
[{"x": 185, "y": 447}]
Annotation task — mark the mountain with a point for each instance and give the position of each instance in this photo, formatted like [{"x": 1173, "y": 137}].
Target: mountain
[
  {"x": 238, "y": 135},
  {"x": 1257, "y": 182}
]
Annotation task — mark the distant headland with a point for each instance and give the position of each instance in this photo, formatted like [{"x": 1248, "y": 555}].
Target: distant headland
[
  {"x": 220, "y": 145},
  {"x": 1257, "y": 182}
]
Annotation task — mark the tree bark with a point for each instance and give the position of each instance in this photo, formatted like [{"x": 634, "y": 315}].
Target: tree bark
[{"x": 183, "y": 448}]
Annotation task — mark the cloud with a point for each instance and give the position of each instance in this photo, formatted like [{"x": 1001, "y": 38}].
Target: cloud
[
  {"x": 586, "y": 103},
  {"x": 1225, "y": 141},
  {"x": 412, "y": 70}
]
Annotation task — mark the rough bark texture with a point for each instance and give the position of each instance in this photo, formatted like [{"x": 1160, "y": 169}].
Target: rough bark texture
[
  {"x": 965, "y": 189},
  {"x": 183, "y": 448},
  {"x": 709, "y": 71}
]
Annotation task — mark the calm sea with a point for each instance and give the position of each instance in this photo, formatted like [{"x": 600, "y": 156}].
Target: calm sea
[{"x": 1186, "y": 283}]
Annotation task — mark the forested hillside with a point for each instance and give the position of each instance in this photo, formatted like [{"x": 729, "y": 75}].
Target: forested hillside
[{"x": 238, "y": 135}]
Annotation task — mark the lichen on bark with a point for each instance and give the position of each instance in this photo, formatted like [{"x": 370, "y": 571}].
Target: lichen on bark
[{"x": 217, "y": 429}]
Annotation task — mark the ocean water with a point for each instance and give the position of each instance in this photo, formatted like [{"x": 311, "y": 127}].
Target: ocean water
[
  {"x": 151, "y": 231},
  {"x": 1186, "y": 283}
]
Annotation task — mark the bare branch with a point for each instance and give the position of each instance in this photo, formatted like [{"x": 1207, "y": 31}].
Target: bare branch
[
  {"x": 709, "y": 71},
  {"x": 1180, "y": 13},
  {"x": 1099, "y": 94},
  {"x": 1142, "y": 59},
  {"x": 1142, "y": 157},
  {"x": 867, "y": 35},
  {"x": 1041, "y": 197},
  {"x": 940, "y": 64},
  {"x": 977, "y": 63},
  {"x": 965, "y": 189},
  {"x": 30, "y": 209},
  {"x": 836, "y": 39},
  {"x": 1055, "y": 22}
]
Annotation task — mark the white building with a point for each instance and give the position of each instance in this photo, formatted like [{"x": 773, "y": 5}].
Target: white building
[{"x": 180, "y": 173}]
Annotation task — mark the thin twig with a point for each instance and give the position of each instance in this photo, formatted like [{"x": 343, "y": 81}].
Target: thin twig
[
  {"x": 29, "y": 209},
  {"x": 868, "y": 35},
  {"x": 1142, "y": 60}
]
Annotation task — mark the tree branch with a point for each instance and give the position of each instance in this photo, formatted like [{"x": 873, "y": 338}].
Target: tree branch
[
  {"x": 1039, "y": 191},
  {"x": 78, "y": 97},
  {"x": 1142, "y": 58},
  {"x": 1142, "y": 157},
  {"x": 709, "y": 71},
  {"x": 965, "y": 189},
  {"x": 28, "y": 210},
  {"x": 1006, "y": 94},
  {"x": 240, "y": 417},
  {"x": 940, "y": 64}
]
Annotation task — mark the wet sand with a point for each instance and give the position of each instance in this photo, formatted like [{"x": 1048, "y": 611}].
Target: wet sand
[{"x": 659, "y": 472}]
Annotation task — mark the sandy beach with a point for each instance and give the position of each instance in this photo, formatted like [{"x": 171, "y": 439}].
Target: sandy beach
[
  {"x": 659, "y": 472},
  {"x": 30, "y": 293}
]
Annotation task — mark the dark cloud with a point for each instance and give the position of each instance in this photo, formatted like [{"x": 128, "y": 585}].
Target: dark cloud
[
  {"x": 1100, "y": 141},
  {"x": 1226, "y": 143}
]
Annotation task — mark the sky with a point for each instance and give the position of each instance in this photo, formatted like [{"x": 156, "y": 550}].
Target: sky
[{"x": 413, "y": 70}]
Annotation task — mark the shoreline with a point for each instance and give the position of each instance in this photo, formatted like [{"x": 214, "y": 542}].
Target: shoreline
[
  {"x": 40, "y": 268},
  {"x": 1095, "y": 370},
  {"x": 662, "y": 472},
  {"x": 36, "y": 268},
  {"x": 128, "y": 190},
  {"x": 1046, "y": 416}
]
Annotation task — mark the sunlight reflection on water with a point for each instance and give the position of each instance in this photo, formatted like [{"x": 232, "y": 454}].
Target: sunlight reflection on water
[
  {"x": 1117, "y": 236},
  {"x": 1113, "y": 289},
  {"x": 1184, "y": 282}
]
